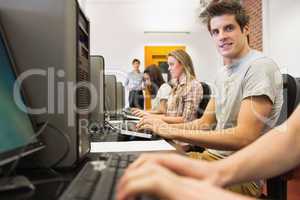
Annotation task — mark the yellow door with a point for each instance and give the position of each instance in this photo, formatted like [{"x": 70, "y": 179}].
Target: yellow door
[{"x": 157, "y": 54}]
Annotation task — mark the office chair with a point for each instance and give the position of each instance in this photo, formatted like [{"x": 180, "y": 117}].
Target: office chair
[
  {"x": 277, "y": 186},
  {"x": 206, "y": 97},
  {"x": 200, "y": 111}
]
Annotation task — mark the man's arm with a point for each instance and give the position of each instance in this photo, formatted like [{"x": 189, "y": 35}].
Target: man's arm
[
  {"x": 276, "y": 152},
  {"x": 248, "y": 129},
  {"x": 157, "y": 181},
  {"x": 169, "y": 119},
  {"x": 205, "y": 122}
]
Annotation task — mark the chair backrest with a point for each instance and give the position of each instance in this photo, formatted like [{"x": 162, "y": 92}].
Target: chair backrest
[
  {"x": 205, "y": 99},
  {"x": 290, "y": 97},
  {"x": 277, "y": 186}
]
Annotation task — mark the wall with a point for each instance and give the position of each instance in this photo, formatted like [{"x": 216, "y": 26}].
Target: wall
[
  {"x": 281, "y": 30},
  {"x": 254, "y": 9},
  {"x": 117, "y": 29},
  {"x": 82, "y": 3}
]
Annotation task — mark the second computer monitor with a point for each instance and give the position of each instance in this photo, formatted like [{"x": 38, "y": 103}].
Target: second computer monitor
[
  {"x": 123, "y": 95},
  {"x": 111, "y": 95},
  {"x": 120, "y": 97},
  {"x": 97, "y": 79}
]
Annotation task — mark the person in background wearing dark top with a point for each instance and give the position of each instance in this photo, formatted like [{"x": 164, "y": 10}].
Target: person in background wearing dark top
[
  {"x": 133, "y": 84},
  {"x": 159, "y": 91}
]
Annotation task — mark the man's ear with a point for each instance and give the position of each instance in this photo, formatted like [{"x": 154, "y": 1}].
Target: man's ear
[{"x": 246, "y": 30}]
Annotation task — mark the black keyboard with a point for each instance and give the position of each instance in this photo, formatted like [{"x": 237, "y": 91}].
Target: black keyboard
[
  {"x": 98, "y": 179},
  {"x": 100, "y": 137}
]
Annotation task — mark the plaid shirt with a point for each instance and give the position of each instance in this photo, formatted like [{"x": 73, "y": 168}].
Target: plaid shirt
[{"x": 184, "y": 99}]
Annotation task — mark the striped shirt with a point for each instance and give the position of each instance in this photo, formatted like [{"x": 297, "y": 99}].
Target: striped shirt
[{"x": 185, "y": 98}]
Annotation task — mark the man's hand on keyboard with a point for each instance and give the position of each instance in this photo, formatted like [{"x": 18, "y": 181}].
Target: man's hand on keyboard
[
  {"x": 138, "y": 112},
  {"x": 147, "y": 180},
  {"x": 155, "y": 180},
  {"x": 181, "y": 165}
]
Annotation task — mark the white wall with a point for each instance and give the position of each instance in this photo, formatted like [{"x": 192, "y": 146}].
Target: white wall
[
  {"x": 281, "y": 34},
  {"x": 82, "y": 3},
  {"x": 117, "y": 32}
]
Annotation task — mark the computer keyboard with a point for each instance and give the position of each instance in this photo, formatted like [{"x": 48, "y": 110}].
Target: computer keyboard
[
  {"x": 125, "y": 131},
  {"x": 83, "y": 184},
  {"x": 98, "y": 179},
  {"x": 109, "y": 137}
]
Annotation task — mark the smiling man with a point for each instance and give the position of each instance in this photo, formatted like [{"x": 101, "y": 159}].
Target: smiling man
[{"x": 247, "y": 93}]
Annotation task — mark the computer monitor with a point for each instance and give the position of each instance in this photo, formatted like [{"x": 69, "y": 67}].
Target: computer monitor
[
  {"x": 50, "y": 43},
  {"x": 97, "y": 79},
  {"x": 120, "y": 97},
  {"x": 123, "y": 96},
  {"x": 111, "y": 95},
  {"x": 17, "y": 132}
]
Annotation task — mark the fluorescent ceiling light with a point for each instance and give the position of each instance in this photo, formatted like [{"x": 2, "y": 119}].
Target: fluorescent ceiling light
[{"x": 167, "y": 32}]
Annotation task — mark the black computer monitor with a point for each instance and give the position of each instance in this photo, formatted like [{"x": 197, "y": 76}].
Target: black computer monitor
[
  {"x": 111, "y": 95},
  {"x": 123, "y": 96},
  {"x": 97, "y": 79},
  {"x": 17, "y": 132},
  {"x": 120, "y": 97},
  {"x": 50, "y": 38}
]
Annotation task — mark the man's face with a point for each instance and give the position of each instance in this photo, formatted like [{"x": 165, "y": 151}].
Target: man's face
[
  {"x": 136, "y": 65},
  {"x": 230, "y": 40}
]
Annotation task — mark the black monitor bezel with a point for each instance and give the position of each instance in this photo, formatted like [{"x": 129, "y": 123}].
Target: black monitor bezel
[
  {"x": 103, "y": 80},
  {"x": 11, "y": 155},
  {"x": 111, "y": 112}
]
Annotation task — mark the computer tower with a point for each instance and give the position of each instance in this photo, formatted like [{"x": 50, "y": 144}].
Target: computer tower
[
  {"x": 97, "y": 79},
  {"x": 50, "y": 42}
]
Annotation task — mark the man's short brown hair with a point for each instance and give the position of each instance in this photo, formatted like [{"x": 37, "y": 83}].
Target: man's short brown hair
[
  {"x": 136, "y": 60},
  {"x": 225, "y": 7}
]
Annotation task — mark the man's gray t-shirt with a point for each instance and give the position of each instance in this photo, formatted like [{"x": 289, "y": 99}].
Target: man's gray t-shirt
[{"x": 252, "y": 75}]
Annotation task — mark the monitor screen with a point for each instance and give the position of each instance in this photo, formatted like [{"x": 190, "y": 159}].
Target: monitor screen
[{"x": 16, "y": 129}]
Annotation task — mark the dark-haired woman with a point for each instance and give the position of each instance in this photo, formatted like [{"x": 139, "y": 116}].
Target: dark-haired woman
[{"x": 158, "y": 89}]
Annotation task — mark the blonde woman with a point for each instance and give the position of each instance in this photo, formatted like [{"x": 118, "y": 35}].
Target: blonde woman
[{"x": 186, "y": 93}]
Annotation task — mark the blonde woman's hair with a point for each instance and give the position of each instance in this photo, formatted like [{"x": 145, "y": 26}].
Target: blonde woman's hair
[{"x": 184, "y": 58}]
